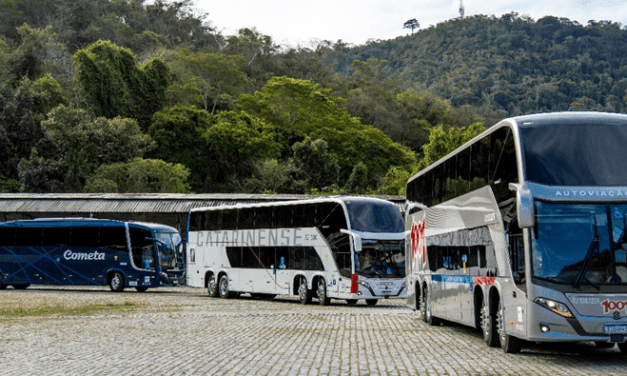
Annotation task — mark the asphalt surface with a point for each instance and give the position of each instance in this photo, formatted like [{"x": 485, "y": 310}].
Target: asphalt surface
[{"x": 181, "y": 331}]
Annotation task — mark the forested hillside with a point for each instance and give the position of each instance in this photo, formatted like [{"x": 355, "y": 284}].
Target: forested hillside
[
  {"x": 510, "y": 65},
  {"x": 123, "y": 96}
]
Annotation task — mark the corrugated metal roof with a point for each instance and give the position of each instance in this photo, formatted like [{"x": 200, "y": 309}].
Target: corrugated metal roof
[{"x": 136, "y": 203}]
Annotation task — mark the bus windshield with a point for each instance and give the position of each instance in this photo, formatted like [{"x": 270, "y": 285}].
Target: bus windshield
[
  {"x": 171, "y": 257},
  {"x": 381, "y": 259},
  {"x": 371, "y": 216},
  {"x": 580, "y": 244},
  {"x": 583, "y": 154}
]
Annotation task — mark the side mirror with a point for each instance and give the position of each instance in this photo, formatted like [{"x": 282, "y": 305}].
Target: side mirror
[
  {"x": 524, "y": 205},
  {"x": 356, "y": 239}
]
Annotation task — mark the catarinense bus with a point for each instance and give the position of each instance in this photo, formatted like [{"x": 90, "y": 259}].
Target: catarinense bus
[{"x": 346, "y": 248}]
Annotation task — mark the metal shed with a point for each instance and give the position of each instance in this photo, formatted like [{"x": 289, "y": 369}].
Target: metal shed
[{"x": 168, "y": 209}]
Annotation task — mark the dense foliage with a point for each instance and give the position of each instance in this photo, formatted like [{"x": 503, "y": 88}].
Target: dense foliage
[
  {"x": 126, "y": 96},
  {"x": 510, "y": 65}
]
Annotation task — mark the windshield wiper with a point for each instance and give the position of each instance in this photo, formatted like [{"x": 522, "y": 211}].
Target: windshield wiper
[{"x": 594, "y": 246}]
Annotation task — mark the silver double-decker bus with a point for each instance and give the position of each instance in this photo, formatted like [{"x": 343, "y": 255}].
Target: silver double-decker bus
[{"x": 522, "y": 232}]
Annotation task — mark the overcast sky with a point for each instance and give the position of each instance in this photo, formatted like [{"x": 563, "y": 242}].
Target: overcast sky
[{"x": 297, "y": 22}]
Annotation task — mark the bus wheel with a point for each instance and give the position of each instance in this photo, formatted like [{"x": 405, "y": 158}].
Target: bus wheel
[
  {"x": 304, "y": 294},
  {"x": 509, "y": 344},
  {"x": 224, "y": 287},
  {"x": 141, "y": 289},
  {"x": 623, "y": 347},
  {"x": 117, "y": 282},
  {"x": 21, "y": 286},
  {"x": 423, "y": 304},
  {"x": 322, "y": 292},
  {"x": 488, "y": 326},
  {"x": 212, "y": 287},
  {"x": 351, "y": 301},
  {"x": 432, "y": 321},
  {"x": 371, "y": 302},
  {"x": 3, "y": 286}
]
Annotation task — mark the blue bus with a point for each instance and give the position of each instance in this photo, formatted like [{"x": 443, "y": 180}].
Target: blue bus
[{"x": 88, "y": 251}]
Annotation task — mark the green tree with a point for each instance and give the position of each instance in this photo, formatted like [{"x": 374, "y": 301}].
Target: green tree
[
  {"x": 75, "y": 145},
  {"x": 411, "y": 24},
  {"x": 298, "y": 109},
  {"x": 315, "y": 166},
  {"x": 139, "y": 176},
  {"x": 178, "y": 133},
  {"x": 441, "y": 142},
  {"x": 211, "y": 80},
  {"x": 21, "y": 111},
  {"x": 234, "y": 143},
  {"x": 115, "y": 85}
]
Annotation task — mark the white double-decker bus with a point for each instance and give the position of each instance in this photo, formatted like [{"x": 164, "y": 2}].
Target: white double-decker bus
[
  {"x": 521, "y": 232},
  {"x": 342, "y": 248}
]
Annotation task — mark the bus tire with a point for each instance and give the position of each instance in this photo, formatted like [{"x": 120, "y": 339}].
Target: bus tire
[
  {"x": 224, "y": 287},
  {"x": 322, "y": 292},
  {"x": 422, "y": 301},
  {"x": 488, "y": 326},
  {"x": 212, "y": 286},
  {"x": 430, "y": 319},
  {"x": 141, "y": 289},
  {"x": 623, "y": 347},
  {"x": 304, "y": 294},
  {"x": 3, "y": 286},
  {"x": 509, "y": 344},
  {"x": 116, "y": 283},
  {"x": 351, "y": 301},
  {"x": 372, "y": 302},
  {"x": 21, "y": 286}
]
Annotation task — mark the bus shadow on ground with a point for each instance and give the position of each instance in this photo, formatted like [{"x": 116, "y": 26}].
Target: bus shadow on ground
[{"x": 564, "y": 353}]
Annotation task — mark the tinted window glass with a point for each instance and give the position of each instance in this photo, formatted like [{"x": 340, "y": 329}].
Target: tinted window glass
[
  {"x": 229, "y": 219},
  {"x": 56, "y": 236},
  {"x": 7, "y": 236},
  {"x": 575, "y": 154},
  {"x": 28, "y": 236},
  {"x": 374, "y": 216},
  {"x": 84, "y": 237},
  {"x": 113, "y": 238}
]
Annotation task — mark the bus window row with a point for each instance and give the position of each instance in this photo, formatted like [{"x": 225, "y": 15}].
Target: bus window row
[
  {"x": 109, "y": 237},
  {"x": 490, "y": 160},
  {"x": 327, "y": 215},
  {"x": 469, "y": 252},
  {"x": 293, "y": 258}
]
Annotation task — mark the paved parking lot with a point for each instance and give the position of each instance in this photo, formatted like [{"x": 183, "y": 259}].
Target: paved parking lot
[{"x": 181, "y": 331}]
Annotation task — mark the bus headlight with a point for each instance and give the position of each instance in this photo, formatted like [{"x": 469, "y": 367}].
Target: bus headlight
[
  {"x": 557, "y": 307},
  {"x": 365, "y": 284}
]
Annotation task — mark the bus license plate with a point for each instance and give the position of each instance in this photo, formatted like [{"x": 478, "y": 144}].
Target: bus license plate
[{"x": 615, "y": 328}]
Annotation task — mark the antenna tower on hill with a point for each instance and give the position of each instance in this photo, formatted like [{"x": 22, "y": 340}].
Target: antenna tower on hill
[{"x": 461, "y": 9}]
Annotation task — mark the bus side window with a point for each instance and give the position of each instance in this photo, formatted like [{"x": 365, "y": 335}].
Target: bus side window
[
  {"x": 7, "y": 236},
  {"x": 84, "y": 237},
  {"x": 516, "y": 252},
  {"x": 56, "y": 236},
  {"x": 28, "y": 236},
  {"x": 142, "y": 251},
  {"x": 113, "y": 238}
]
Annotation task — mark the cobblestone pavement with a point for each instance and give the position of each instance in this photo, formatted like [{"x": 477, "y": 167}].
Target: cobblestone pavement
[{"x": 181, "y": 331}]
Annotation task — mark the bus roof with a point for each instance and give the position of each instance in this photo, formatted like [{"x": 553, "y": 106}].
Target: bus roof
[
  {"x": 541, "y": 119},
  {"x": 336, "y": 199},
  {"x": 83, "y": 222}
]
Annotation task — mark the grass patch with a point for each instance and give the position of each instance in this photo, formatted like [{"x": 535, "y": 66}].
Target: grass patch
[{"x": 17, "y": 311}]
